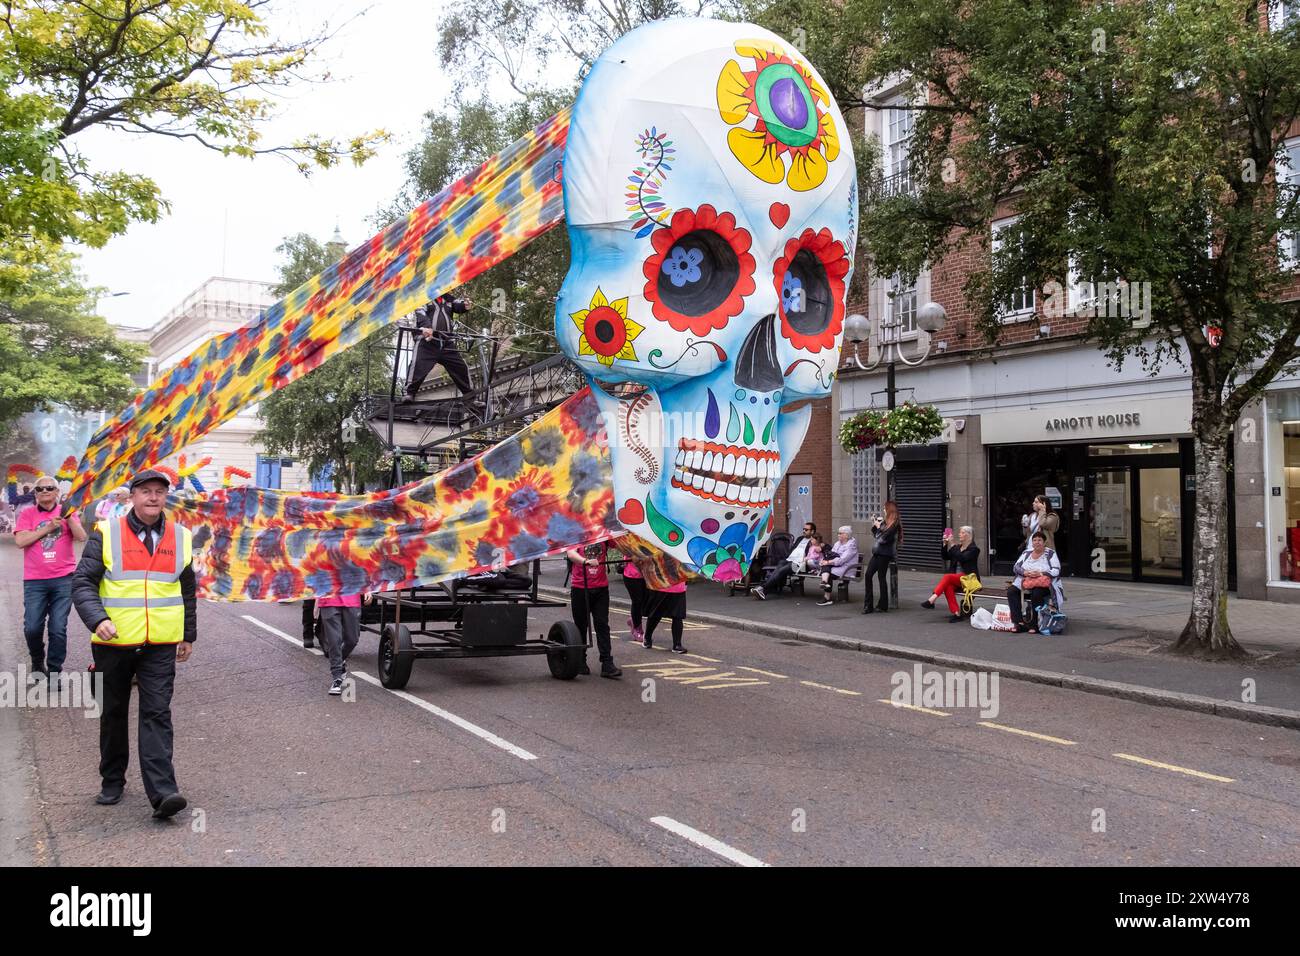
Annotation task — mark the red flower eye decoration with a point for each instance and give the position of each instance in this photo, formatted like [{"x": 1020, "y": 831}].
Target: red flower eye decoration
[
  {"x": 810, "y": 281},
  {"x": 700, "y": 272}
]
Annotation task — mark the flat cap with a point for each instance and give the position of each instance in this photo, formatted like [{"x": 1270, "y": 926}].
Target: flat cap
[{"x": 149, "y": 474}]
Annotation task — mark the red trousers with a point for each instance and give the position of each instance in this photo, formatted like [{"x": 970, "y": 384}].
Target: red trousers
[{"x": 948, "y": 586}]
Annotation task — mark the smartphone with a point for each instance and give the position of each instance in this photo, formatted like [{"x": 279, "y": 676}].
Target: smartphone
[{"x": 947, "y": 532}]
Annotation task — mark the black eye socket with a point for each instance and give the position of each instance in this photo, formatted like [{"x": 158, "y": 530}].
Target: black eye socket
[
  {"x": 806, "y": 295},
  {"x": 698, "y": 274}
]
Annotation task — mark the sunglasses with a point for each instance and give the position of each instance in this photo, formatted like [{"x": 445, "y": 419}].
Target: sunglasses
[{"x": 46, "y": 488}]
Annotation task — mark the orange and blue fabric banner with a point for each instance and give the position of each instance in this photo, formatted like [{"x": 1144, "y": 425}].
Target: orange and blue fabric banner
[{"x": 470, "y": 226}]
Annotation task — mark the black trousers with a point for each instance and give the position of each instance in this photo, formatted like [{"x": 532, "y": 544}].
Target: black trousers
[
  {"x": 431, "y": 353},
  {"x": 310, "y": 623},
  {"x": 778, "y": 576},
  {"x": 1037, "y": 598},
  {"x": 877, "y": 567},
  {"x": 598, "y": 599},
  {"x": 154, "y": 667},
  {"x": 636, "y": 592}
]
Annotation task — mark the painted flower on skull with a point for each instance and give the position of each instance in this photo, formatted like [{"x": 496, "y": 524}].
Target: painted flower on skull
[
  {"x": 791, "y": 117},
  {"x": 726, "y": 559},
  {"x": 700, "y": 271},
  {"x": 607, "y": 332},
  {"x": 810, "y": 277}
]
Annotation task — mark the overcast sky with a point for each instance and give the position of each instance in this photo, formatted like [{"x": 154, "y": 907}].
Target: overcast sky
[{"x": 228, "y": 214}]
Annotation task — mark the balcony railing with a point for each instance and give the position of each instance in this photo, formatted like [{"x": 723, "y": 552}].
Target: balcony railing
[{"x": 887, "y": 187}]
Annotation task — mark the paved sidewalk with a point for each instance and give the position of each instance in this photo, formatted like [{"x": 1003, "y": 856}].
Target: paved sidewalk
[{"x": 1116, "y": 641}]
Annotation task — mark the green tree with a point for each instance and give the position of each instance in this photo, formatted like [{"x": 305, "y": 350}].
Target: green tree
[
  {"x": 307, "y": 417},
  {"x": 189, "y": 69},
  {"x": 54, "y": 349},
  {"x": 1140, "y": 143}
]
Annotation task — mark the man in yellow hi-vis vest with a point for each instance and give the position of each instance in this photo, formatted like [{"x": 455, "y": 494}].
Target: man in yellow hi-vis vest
[{"x": 134, "y": 589}]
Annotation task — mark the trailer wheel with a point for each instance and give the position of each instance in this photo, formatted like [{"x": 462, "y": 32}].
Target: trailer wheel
[
  {"x": 395, "y": 656},
  {"x": 564, "y": 664}
]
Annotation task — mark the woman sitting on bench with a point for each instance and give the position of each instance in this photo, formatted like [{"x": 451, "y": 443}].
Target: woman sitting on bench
[
  {"x": 1038, "y": 573},
  {"x": 840, "y": 562},
  {"x": 963, "y": 558}
]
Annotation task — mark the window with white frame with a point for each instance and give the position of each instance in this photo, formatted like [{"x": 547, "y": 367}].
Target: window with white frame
[
  {"x": 900, "y": 303},
  {"x": 1288, "y": 184},
  {"x": 866, "y": 485},
  {"x": 1282, "y": 13},
  {"x": 898, "y": 120},
  {"x": 1081, "y": 293},
  {"x": 1019, "y": 303}
]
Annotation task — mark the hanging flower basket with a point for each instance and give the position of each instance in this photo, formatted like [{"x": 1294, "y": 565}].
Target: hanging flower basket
[
  {"x": 909, "y": 424},
  {"x": 409, "y": 463}
]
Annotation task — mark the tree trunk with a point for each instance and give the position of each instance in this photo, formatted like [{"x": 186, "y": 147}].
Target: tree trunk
[{"x": 1207, "y": 634}]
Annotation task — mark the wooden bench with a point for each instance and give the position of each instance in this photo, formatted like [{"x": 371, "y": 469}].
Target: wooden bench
[{"x": 796, "y": 581}]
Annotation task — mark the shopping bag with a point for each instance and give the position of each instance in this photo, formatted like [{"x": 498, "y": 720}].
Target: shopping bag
[
  {"x": 982, "y": 619},
  {"x": 1002, "y": 618}
]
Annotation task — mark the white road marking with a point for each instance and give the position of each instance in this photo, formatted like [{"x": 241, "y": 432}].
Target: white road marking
[
  {"x": 707, "y": 842},
  {"x": 446, "y": 715},
  {"x": 1175, "y": 768},
  {"x": 279, "y": 633}
]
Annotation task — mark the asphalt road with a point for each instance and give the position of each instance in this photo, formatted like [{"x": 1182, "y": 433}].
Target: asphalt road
[{"x": 747, "y": 750}]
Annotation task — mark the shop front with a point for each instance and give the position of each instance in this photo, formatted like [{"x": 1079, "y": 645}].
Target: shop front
[
  {"x": 1120, "y": 477},
  {"x": 1282, "y": 509}
]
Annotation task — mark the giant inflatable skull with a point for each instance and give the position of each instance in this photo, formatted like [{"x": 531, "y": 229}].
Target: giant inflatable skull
[{"x": 711, "y": 203}]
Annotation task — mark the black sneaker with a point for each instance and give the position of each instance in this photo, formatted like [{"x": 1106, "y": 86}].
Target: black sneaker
[
  {"x": 308, "y": 643},
  {"x": 169, "y": 806},
  {"x": 647, "y": 643},
  {"x": 109, "y": 796},
  {"x": 336, "y": 687},
  {"x": 759, "y": 593},
  {"x": 610, "y": 669},
  {"x": 927, "y": 604},
  {"x": 827, "y": 603},
  {"x": 954, "y": 618},
  {"x": 39, "y": 673},
  {"x": 678, "y": 649}
]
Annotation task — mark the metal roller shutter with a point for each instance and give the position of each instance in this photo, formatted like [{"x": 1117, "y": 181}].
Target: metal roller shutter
[{"x": 920, "y": 489}]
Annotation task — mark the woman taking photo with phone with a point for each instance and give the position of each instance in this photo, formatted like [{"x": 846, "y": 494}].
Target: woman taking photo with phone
[{"x": 888, "y": 532}]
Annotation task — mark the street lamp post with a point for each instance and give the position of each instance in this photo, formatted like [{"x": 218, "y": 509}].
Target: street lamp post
[{"x": 889, "y": 348}]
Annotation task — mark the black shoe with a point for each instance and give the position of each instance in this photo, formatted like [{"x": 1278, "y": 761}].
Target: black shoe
[
  {"x": 109, "y": 796},
  {"x": 308, "y": 643},
  {"x": 647, "y": 644},
  {"x": 882, "y": 608},
  {"x": 169, "y": 806},
  {"x": 39, "y": 673},
  {"x": 826, "y": 603},
  {"x": 583, "y": 668},
  {"x": 868, "y": 609},
  {"x": 678, "y": 649},
  {"x": 610, "y": 669},
  {"x": 954, "y": 618},
  {"x": 927, "y": 604}
]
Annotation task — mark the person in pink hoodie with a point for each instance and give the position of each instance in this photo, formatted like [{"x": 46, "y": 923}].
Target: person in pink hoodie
[{"x": 340, "y": 630}]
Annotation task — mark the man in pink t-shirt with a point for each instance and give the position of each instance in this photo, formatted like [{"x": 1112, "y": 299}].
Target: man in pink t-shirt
[{"x": 48, "y": 563}]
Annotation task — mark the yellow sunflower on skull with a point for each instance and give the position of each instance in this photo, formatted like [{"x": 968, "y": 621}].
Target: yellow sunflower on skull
[
  {"x": 791, "y": 113},
  {"x": 605, "y": 331}
]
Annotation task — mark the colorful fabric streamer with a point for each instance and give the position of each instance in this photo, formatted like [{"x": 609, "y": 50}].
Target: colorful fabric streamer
[
  {"x": 471, "y": 225},
  {"x": 540, "y": 492}
]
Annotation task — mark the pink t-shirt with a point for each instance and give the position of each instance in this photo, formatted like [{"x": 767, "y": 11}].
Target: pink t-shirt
[
  {"x": 583, "y": 576},
  {"x": 678, "y": 588},
  {"x": 630, "y": 571},
  {"x": 51, "y": 556},
  {"x": 335, "y": 600}
]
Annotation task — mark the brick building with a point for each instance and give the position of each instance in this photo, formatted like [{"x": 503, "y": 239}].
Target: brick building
[{"x": 1041, "y": 412}]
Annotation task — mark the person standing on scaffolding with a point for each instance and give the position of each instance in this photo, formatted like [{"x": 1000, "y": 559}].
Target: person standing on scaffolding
[{"x": 436, "y": 346}]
